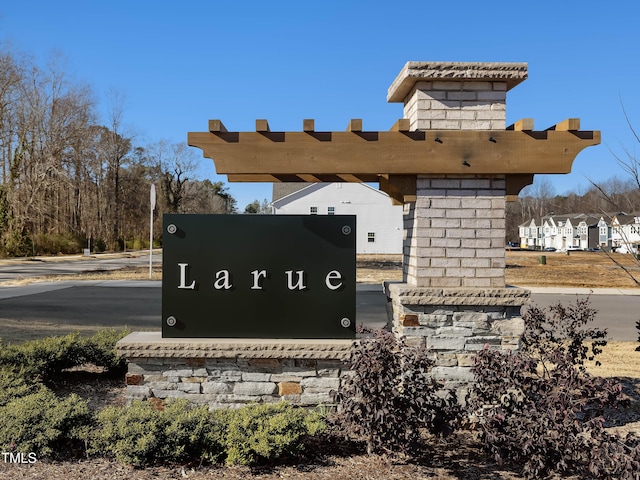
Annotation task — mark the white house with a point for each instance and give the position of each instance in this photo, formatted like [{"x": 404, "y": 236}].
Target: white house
[
  {"x": 378, "y": 221},
  {"x": 625, "y": 232},
  {"x": 564, "y": 231}
]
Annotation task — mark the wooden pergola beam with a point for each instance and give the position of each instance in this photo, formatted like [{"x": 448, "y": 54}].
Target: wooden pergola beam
[{"x": 243, "y": 155}]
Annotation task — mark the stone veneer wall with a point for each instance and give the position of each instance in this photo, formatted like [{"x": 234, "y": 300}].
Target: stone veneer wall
[
  {"x": 454, "y": 232},
  {"x": 224, "y": 373},
  {"x": 455, "y": 324}
]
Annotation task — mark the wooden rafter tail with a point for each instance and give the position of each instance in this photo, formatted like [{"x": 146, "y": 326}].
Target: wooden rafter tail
[
  {"x": 401, "y": 125},
  {"x": 348, "y": 177},
  {"x": 309, "y": 178},
  {"x": 262, "y": 125},
  {"x": 216, "y": 126},
  {"x": 355, "y": 125},
  {"x": 522, "y": 125},
  {"x": 308, "y": 125},
  {"x": 568, "y": 125}
]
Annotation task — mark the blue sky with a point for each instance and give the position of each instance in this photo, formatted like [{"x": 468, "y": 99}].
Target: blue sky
[{"x": 179, "y": 64}]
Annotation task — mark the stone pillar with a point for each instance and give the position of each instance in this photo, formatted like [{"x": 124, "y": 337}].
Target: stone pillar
[{"x": 453, "y": 298}]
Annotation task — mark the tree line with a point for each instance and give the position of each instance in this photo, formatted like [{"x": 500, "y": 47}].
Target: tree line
[{"x": 69, "y": 180}]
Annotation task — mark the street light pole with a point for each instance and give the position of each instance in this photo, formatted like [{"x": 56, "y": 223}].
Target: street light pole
[{"x": 153, "y": 206}]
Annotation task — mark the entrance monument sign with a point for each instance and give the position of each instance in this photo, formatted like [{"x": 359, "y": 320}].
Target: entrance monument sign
[
  {"x": 258, "y": 276},
  {"x": 453, "y": 162}
]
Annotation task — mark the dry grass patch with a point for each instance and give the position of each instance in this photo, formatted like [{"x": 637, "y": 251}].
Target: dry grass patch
[
  {"x": 618, "y": 359},
  {"x": 579, "y": 269}
]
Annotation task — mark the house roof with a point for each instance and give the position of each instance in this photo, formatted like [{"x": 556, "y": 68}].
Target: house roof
[
  {"x": 308, "y": 188},
  {"x": 573, "y": 218},
  {"x": 626, "y": 219}
]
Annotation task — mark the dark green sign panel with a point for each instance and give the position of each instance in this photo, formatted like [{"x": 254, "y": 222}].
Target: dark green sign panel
[{"x": 258, "y": 276}]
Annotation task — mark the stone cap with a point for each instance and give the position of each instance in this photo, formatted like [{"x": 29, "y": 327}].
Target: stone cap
[
  {"x": 405, "y": 294},
  {"x": 513, "y": 73},
  {"x": 152, "y": 345}
]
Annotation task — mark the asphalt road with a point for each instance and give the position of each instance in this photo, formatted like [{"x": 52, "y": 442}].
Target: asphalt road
[
  {"x": 19, "y": 268},
  {"x": 125, "y": 303},
  {"x": 137, "y": 305}
]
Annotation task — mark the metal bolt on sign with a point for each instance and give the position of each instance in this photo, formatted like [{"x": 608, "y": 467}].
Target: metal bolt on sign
[
  {"x": 171, "y": 228},
  {"x": 171, "y": 321}
]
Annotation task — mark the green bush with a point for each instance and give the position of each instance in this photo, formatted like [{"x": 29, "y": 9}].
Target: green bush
[
  {"x": 193, "y": 433},
  {"x": 99, "y": 245},
  {"x": 57, "y": 243},
  {"x": 44, "y": 357},
  {"x": 44, "y": 424},
  {"x": 140, "y": 435},
  {"x": 13, "y": 385},
  {"x": 16, "y": 244},
  {"x": 100, "y": 349},
  {"x": 257, "y": 433},
  {"x": 47, "y": 357}
]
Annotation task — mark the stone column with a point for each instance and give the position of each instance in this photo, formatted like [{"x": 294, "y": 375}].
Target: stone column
[{"x": 453, "y": 298}]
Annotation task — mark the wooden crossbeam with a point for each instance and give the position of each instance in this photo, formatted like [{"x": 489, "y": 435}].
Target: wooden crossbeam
[
  {"x": 216, "y": 126},
  {"x": 401, "y": 125},
  {"x": 347, "y": 177},
  {"x": 355, "y": 125},
  {"x": 568, "y": 125},
  {"x": 305, "y": 177},
  {"x": 308, "y": 125},
  {"x": 262, "y": 126},
  {"x": 522, "y": 125}
]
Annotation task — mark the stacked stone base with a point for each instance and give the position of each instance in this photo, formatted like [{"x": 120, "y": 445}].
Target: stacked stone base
[
  {"x": 228, "y": 373},
  {"x": 455, "y": 323}
]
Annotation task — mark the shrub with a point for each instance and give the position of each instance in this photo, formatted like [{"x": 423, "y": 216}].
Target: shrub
[
  {"x": 57, "y": 243},
  {"x": 560, "y": 334},
  {"x": 540, "y": 408},
  {"x": 44, "y": 424},
  {"x": 132, "y": 435},
  {"x": 258, "y": 433},
  {"x": 391, "y": 396},
  {"x": 192, "y": 433},
  {"x": 13, "y": 385},
  {"x": 48, "y": 357},
  {"x": 16, "y": 244},
  {"x": 100, "y": 349},
  {"x": 140, "y": 435},
  {"x": 44, "y": 357}
]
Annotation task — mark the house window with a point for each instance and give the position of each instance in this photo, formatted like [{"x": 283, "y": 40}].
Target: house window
[
  {"x": 371, "y": 237},
  {"x": 331, "y": 210},
  {"x": 313, "y": 210}
]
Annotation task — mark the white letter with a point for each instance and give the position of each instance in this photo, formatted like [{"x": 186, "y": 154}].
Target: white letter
[
  {"x": 300, "y": 283},
  {"x": 183, "y": 277},
  {"x": 333, "y": 275},
  {"x": 256, "y": 278},
  {"x": 223, "y": 280}
]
